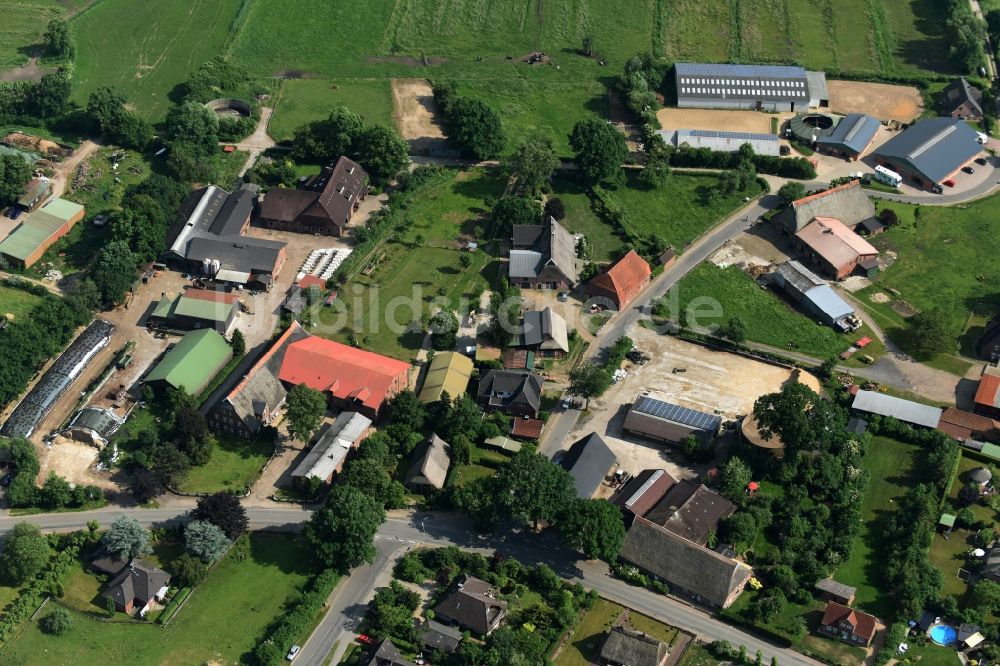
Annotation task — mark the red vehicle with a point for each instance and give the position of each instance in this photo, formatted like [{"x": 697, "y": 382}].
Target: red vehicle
[
  {"x": 366, "y": 639},
  {"x": 949, "y": 183}
]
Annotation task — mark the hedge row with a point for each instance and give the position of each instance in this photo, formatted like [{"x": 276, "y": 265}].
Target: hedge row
[{"x": 271, "y": 650}]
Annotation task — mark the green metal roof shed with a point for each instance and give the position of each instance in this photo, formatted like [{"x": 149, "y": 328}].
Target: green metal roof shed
[
  {"x": 63, "y": 209},
  {"x": 33, "y": 232},
  {"x": 991, "y": 451},
  {"x": 193, "y": 362},
  {"x": 201, "y": 309}
]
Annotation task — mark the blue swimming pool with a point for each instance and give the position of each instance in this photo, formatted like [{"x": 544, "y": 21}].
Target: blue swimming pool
[{"x": 943, "y": 634}]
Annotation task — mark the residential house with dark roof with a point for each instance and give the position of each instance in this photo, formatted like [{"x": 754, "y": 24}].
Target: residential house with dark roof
[
  {"x": 588, "y": 460},
  {"x": 987, "y": 400},
  {"x": 847, "y": 624},
  {"x": 327, "y": 455},
  {"x": 704, "y": 575},
  {"x": 690, "y": 510},
  {"x": 834, "y": 248},
  {"x": 662, "y": 421},
  {"x": 256, "y": 401},
  {"x": 472, "y": 605},
  {"x": 137, "y": 586},
  {"x": 930, "y": 151},
  {"x": 848, "y": 203},
  {"x": 620, "y": 284},
  {"x": 385, "y": 654},
  {"x": 436, "y": 636},
  {"x": 625, "y": 646},
  {"x": 543, "y": 332},
  {"x": 851, "y": 138},
  {"x": 962, "y": 100},
  {"x": 192, "y": 363},
  {"x": 324, "y": 205},
  {"x": 512, "y": 392},
  {"x": 429, "y": 468},
  {"x": 643, "y": 491},
  {"x": 542, "y": 256}
]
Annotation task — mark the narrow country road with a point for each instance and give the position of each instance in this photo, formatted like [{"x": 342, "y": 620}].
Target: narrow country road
[
  {"x": 406, "y": 529},
  {"x": 256, "y": 143}
]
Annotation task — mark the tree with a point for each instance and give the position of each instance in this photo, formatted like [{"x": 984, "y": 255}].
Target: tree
[
  {"x": 371, "y": 478},
  {"x": 194, "y": 125},
  {"x": 656, "y": 173},
  {"x": 56, "y": 623},
  {"x": 114, "y": 271},
  {"x": 588, "y": 45},
  {"x": 205, "y": 540},
  {"x": 225, "y": 511},
  {"x": 187, "y": 571},
  {"x": 791, "y": 191},
  {"x": 532, "y": 488},
  {"x": 475, "y": 127},
  {"x": 595, "y": 527},
  {"x": 734, "y": 330},
  {"x": 58, "y": 40},
  {"x": 444, "y": 330},
  {"x": 305, "y": 409},
  {"x": 382, "y": 152},
  {"x": 532, "y": 162},
  {"x": 325, "y": 140},
  {"x": 986, "y": 595},
  {"x": 56, "y": 492},
  {"x": 739, "y": 529},
  {"x": 272, "y": 173},
  {"x": 238, "y": 343},
  {"x": 928, "y": 334},
  {"x": 887, "y": 215},
  {"x": 461, "y": 450},
  {"x": 105, "y": 107},
  {"x": 555, "y": 208},
  {"x": 405, "y": 407},
  {"x": 14, "y": 175},
  {"x": 589, "y": 380},
  {"x": 600, "y": 149},
  {"x": 734, "y": 477},
  {"x": 25, "y": 552},
  {"x": 130, "y": 131},
  {"x": 126, "y": 538},
  {"x": 341, "y": 533},
  {"x": 510, "y": 210},
  {"x": 50, "y": 96},
  {"x": 189, "y": 423}
]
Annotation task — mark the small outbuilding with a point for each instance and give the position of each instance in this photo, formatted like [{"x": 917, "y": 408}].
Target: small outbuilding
[{"x": 981, "y": 476}]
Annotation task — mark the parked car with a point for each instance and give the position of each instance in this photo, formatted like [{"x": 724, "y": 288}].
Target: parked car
[
  {"x": 949, "y": 183},
  {"x": 981, "y": 161},
  {"x": 968, "y": 169},
  {"x": 5, "y": 480},
  {"x": 562, "y": 297},
  {"x": 292, "y": 653},
  {"x": 366, "y": 639}
]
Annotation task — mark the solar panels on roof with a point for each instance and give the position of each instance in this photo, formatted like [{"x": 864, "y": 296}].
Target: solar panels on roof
[
  {"x": 709, "y": 69},
  {"x": 749, "y": 136},
  {"x": 670, "y": 412}
]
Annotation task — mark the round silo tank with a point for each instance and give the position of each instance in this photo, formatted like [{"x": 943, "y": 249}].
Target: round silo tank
[
  {"x": 215, "y": 267},
  {"x": 206, "y": 266}
]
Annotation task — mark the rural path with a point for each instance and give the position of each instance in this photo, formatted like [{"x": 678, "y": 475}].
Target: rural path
[
  {"x": 51, "y": 287},
  {"x": 991, "y": 64},
  {"x": 256, "y": 143},
  {"x": 408, "y": 529},
  {"x": 66, "y": 169}
]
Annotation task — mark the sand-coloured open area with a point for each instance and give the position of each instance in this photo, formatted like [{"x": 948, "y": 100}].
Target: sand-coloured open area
[
  {"x": 414, "y": 110},
  {"x": 719, "y": 120},
  {"x": 882, "y": 100}
]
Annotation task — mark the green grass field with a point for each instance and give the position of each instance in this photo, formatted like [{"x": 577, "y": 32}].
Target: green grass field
[
  {"x": 929, "y": 251},
  {"x": 303, "y": 100},
  {"x": 587, "y": 636},
  {"x": 148, "y": 47},
  {"x": 23, "y": 23},
  {"x": 767, "y": 319},
  {"x": 234, "y": 465},
  {"x": 581, "y": 219},
  {"x": 220, "y": 623},
  {"x": 890, "y": 464},
  {"x": 17, "y": 302}
]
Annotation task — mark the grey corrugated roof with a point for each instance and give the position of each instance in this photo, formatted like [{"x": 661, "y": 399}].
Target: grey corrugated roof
[
  {"x": 525, "y": 263},
  {"x": 854, "y": 132},
  {"x": 545, "y": 328},
  {"x": 588, "y": 461},
  {"x": 933, "y": 148},
  {"x": 838, "y": 589},
  {"x": 239, "y": 253},
  {"x": 826, "y": 300},
  {"x": 746, "y": 71},
  {"x": 102, "y": 421},
  {"x": 797, "y": 278},
  {"x": 234, "y": 212},
  {"x": 734, "y": 82},
  {"x": 550, "y": 245},
  {"x": 331, "y": 449},
  {"x": 816, "y": 82},
  {"x": 903, "y": 410}
]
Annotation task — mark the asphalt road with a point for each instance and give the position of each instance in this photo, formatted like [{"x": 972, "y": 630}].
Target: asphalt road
[{"x": 402, "y": 530}]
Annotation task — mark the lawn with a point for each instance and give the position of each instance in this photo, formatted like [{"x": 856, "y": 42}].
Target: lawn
[
  {"x": 679, "y": 212},
  {"x": 890, "y": 465},
  {"x": 219, "y": 624},
  {"x": 587, "y": 637},
  {"x": 836, "y": 651},
  {"x": 234, "y": 466},
  {"x": 932, "y": 655},
  {"x": 303, "y": 100},
  {"x": 581, "y": 219},
  {"x": 147, "y": 48},
  {"x": 698, "y": 655},
  {"x": 17, "y": 302},
  {"x": 23, "y": 23},
  {"x": 469, "y": 473},
  {"x": 924, "y": 276},
  {"x": 766, "y": 318}
]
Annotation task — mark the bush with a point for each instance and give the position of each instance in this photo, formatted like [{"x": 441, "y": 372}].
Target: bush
[
  {"x": 299, "y": 615},
  {"x": 56, "y": 623}
]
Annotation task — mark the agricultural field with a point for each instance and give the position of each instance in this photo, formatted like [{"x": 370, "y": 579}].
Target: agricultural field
[
  {"x": 147, "y": 52},
  {"x": 16, "y": 304},
  {"x": 206, "y": 629},
  {"x": 23, "y": 23},
  {"x": 767, "y": 319},
  {"x": 303, "y": 100},
  {"x": 924, "y": 276}
]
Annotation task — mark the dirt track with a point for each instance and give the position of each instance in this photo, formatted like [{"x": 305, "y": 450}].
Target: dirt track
[
  {"x": 882, "y": 100},
  {"x": 413, "y": 101}
]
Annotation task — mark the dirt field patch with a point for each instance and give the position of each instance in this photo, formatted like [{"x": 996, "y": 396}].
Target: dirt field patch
[
  {"x": 716, "y": 119},
  {"x": 75, "y": 462},
  {"x": 882, "y": 100},
  {"x": 30, "y": 71},
  {"x": 415, "y": 112}
]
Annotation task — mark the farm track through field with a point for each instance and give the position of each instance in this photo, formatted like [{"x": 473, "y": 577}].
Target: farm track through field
[{"x": 882, "y": 42}]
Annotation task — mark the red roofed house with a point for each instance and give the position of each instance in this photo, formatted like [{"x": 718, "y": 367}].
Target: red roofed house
[
  {"x": 312, "y": 281},
  {"x": 965, "y": 425},
  {"x": 834, "y": 248},
  {"x": 987, "y": 400},
  {"x": 622, "y": 282},
  {"x": 847, "y": 624},
  {"x": 355, "y": 379}
]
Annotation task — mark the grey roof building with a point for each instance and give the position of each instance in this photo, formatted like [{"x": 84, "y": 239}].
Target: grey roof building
[
  {"x": 703, "y": 574},
  {"x": 930, "y": 151},
  {"x": 95, "y": 423},
  {"x": 543, "y": 255},
  {"x": 644, "y": 490},
  {"x": 436, "y": 636},
  {"x": 386, "y": 654},
  {"x": 136, "y": 585},
  {"x": 515, "y": 392},
  {"x": 907, "y": 411},
  {"x": 760, "y": 87},
  {"x": 627, "y": 647},
  {"x": 472, "y": 606},
  {"x": 831, "y": 590},
  {"x": 962, "y": 100},
  {"x": 429, "y": 468},
  {"x": 588, "y": 461},
  {"x": 544, "y": 331},
  {"x": 329, "y": 452},
  {"x": 691, "y": 510},
  {"x": 847, "y": 203},
  {"x": 816, "y": 297},
  {"x": 851, "y": 137},
  {"x": 724, "y": 142}
]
